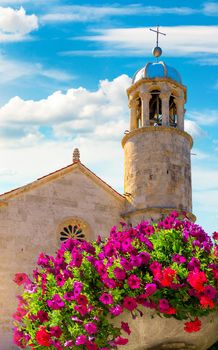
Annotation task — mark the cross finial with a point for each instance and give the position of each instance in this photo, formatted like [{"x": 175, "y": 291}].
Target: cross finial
[{"x": 157, "y": 50}]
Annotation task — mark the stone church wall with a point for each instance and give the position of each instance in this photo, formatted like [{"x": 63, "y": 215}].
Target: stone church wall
[{"x": 31, "y": 222}]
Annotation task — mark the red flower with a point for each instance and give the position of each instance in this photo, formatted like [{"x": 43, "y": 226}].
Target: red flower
[
  {"x": 206, "y": 302},
  {"x": 121, "y": 341},
  {"x": 167, "y": 276},
  {"x": 197, "y": 279},
  {"x": 20, "y": 278},
  {"x": 43, "y": 337},
  {"x": 193, "y": 326}
]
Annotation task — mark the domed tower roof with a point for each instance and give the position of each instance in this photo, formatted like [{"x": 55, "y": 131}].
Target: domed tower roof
[{"x": 157, "y": 70}]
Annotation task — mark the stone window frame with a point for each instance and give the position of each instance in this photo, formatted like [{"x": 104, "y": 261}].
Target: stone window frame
[{"x": 73, "y": 221}]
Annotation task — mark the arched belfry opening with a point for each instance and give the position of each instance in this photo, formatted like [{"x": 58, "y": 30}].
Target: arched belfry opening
[
  {"x": 155, "y": 108},
  {"x": 172, "y": 112}
]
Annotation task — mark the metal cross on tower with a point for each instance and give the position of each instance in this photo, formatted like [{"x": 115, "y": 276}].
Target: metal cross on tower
[{"x": 157, "y": 50}]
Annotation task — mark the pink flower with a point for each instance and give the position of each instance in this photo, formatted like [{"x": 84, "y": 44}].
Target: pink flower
[
  {"x": 60, "y": 280},
  {"x": 90, "y": 328},
  {"x": 106, "y": 299},
  {"x": 116, "y": 310},
  {"x": 69, "y": 296},
  {"x": 210, "y": 292},
  {"x": 126, "y": 245},
  {"x": 125, "y": 327},
  {"x": 81, "y": 340},
  {"x": 119, "y": 273},
  {"x": 134, "y": 282},
  {"x": 129, "y": 303},
  {"x": 145, "y": 257},
  {"x": 68, "y": 343},
  {"x": 21, "y": 278},
  {"x": 110, "y": 283},
  {"x": 149, "y": 230}
]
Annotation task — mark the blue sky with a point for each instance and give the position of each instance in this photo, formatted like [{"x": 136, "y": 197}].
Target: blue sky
[{"x": 65, "y": 66}]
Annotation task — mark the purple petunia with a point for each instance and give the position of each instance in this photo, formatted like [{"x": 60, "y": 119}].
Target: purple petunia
[
  {"x": 56, "y": 302},
  {"x": 106, "y": 299},
  {"x": 179, "y": 259}
]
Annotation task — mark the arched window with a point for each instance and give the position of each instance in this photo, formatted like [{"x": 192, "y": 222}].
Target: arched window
[
  {"x": 73, "y": 228},
  {"x": 155, "y": 108},
  {"x": 172, "y": 112}
]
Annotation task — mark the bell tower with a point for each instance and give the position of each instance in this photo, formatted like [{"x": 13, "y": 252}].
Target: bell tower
[{"x": 157, "y": 149}]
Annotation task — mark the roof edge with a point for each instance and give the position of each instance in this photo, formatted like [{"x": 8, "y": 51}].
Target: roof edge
[{"x": 55, "y": 175}]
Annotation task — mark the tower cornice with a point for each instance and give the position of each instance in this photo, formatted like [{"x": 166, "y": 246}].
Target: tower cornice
[
  {"x": 157, "y": 129},
  {"x": 156, "y": 81}
]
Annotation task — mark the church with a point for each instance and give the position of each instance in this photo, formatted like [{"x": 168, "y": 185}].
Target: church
[{"x": 73, "y": 201}]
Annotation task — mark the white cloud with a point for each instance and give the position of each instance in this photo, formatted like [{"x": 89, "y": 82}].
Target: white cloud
[
  {"x": 76, "y": 110},
  {"x": 193, "y": 129},
  {"x": 180, "y": 40},
  {"x": 210, "y": 8},
  {"x": 11, "y": 70},
  {"x": 76, "y": 13},
  {"x": 15, "y": 25},
  {"x": 205, "y": 117}
]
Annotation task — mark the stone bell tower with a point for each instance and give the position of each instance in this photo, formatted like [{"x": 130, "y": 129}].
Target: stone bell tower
[{"x": 156, "y": 148}]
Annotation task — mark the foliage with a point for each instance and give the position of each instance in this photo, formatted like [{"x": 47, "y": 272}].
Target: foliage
[{"x": 169, "y": 267}]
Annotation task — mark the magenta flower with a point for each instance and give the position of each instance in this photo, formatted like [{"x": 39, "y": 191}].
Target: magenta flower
[
  {"x": 149, "y": 230},
  {"x": 119, "y": 273},
  {"x": 215, "y": 236},
  {"x": 69, "y": 296},
  {"x": 82, "y": 300},
  {"x": 134, "y": 282},
  {"x": 164, "y": 305},
  {"x": 55, "y": 331},
  {"x": 150, "y": 288},
  {"x": 81, "y": 340},
  {"x": 109, "y": 283},
  {"x": 129, "y": 303},
  {"x": 193, "y": 264},
  {"x": 145, "y": 257},
  {"x": 60, "y": 280},
  {"x": 116, "y": 310},
  {"x": 56, "y": 302},
  {"x": 179, "y": 259},
  {"x": 125, "y": 327},
  {"x": 126, "y": 264},
  {"x": 126, "y": 245},
  {"x": 210, "y": 292},
  {"x": 91, "y": 346},
  {"x": 77, "y": 288},
  {"x": 42, "y": 316},
  {"x": 136, "y": 260},
  {"x": 90, "y": 328},
  {"x": 76, "y": 259},
  {"x": 106, "y": 299},
  {"x": 68, "y": 343}
]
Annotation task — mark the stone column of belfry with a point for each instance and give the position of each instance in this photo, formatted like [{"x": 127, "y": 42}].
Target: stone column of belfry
[
  {"x": 133, "y": 105},
  {"x": 145, "y": 98},
  {"x": 180, "y": 112},
  {"x": 165, "y": 98}
]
